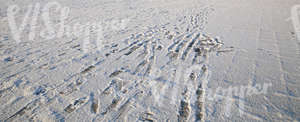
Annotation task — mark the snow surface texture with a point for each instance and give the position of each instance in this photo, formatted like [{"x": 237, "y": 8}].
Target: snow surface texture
[{"x": 173, "y": 60}]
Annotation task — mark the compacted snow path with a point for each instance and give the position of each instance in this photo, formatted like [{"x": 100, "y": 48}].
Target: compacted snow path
[{"x": 158, "y": 60}]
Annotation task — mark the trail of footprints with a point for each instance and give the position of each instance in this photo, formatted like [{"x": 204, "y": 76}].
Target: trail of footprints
[
  {"x": 190, "y": 47},
  {"x": 193, "y": 44}
]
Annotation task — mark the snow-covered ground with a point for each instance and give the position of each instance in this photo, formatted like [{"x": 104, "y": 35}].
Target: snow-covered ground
[{"x": 153, "y": 60}]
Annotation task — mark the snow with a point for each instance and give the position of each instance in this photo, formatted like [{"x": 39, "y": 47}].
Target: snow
[{"x": 153, "y": 60}]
